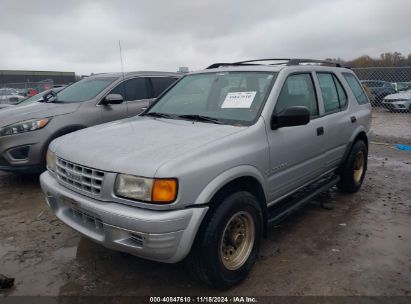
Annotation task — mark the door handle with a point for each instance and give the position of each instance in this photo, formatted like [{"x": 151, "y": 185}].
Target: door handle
[
  {"x": 320, "y": 131},
  {"x": 353, "y": 119}
]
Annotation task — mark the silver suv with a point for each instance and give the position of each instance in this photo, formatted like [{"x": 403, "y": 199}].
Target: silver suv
[{"x": 218, "y": 158}]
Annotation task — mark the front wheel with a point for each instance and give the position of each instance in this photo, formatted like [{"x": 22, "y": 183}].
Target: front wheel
[
  {"x": 352, "y": 172},
  {"x": 227, "y": 246}
]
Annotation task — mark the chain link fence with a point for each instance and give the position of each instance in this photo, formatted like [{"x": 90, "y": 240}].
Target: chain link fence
[
  {"x": 389, "y": 91},
  {"x": 13, "y": 93}
]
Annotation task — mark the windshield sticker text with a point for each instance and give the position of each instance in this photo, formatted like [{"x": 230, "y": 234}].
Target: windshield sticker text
[{"x": 239, "y": 100}]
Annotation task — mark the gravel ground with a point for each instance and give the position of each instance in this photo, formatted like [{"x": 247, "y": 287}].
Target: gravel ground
[
  {"x": 391, "y": 127},
  {"x": 360, "y": 245}
]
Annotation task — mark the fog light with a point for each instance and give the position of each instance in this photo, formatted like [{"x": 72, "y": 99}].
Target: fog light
[{"x": 20, "y": 153}]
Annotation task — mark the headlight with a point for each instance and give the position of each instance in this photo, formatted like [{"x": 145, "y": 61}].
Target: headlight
[
  {"x": 24, "y": 126},
  {"x": 146, "y": 189},
  {"x": 51, "y": 160}
]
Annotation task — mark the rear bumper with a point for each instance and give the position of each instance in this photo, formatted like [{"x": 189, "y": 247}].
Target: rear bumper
[{"x": 164, "y": 236}]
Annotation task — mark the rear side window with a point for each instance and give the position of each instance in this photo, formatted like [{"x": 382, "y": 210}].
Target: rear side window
[
  {"x": 132, "y": 89},
  {"x": 160, "y": 84},
  {"x": 356, "y": 88},
  {"x": 298, "y": 90},
  {"x": 333, "y": 94}
]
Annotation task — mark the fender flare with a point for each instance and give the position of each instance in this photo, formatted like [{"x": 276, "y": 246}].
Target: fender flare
[
  {"x": 351, "y": 142},
  {"x": 227, "y": 176}
]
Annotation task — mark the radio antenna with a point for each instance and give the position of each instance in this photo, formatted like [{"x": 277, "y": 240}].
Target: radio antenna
[
  {"x": 122, "y": 72},
  {"x": 121, "y": 58}
]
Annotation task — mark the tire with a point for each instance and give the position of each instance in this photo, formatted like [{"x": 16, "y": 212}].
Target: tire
[
  {"x": 352, "y": 172},
  {"x": 217, "y": 239}
]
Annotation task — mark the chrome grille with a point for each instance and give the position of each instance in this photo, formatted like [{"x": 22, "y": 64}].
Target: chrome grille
[{"x": 80, "y": 177}]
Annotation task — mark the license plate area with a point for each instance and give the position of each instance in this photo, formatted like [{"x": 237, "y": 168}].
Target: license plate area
[{"x": 81, "y": 217}]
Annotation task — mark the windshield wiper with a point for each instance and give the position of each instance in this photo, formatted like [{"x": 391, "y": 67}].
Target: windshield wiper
[
  {"x": 156, "y": 114},
  {"x": 201, "y": 118}
]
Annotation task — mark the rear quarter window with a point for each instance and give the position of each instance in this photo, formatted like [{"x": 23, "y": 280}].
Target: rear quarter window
[{"x": 356, "y": 88}]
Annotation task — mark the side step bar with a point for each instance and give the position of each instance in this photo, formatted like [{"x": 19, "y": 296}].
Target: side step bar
[{"x": 290, "y": 204}]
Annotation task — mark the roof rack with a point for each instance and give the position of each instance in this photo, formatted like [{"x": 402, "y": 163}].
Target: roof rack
[{"x": 282, "y": 61}]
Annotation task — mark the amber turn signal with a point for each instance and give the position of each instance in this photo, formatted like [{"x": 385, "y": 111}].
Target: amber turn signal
[{"x": 164, "y": 191}]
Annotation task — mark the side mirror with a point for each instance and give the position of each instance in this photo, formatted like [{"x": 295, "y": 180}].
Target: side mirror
[
  {"x": 49, "y": 96},
  {"x": 113, "y": 99},
  {"x": 292, "y": 116}
]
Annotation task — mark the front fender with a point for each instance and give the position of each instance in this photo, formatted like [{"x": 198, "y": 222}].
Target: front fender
[{"x": 227, "y": 176}]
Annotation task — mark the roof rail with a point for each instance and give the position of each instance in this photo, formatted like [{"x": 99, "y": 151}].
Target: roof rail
[{"x": 285, "y": 61}]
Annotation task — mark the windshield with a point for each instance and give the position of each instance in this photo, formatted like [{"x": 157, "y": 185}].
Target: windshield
[
  {"x": 84, "y": 90},
  {"x": 226, "y": 97}
]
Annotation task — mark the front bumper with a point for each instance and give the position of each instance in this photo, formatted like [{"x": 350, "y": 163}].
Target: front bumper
[
  {"x": 164, "y": 236},
  {"x": 24, "y": 152},
  {"x": 396, "y": 105}
]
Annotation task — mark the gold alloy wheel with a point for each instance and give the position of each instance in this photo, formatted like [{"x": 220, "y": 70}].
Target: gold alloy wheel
[
  {"x": 359, "y": 166},
  {"x": 238, "y": 240}
]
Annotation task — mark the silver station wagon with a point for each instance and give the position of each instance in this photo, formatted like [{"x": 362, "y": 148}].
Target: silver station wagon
[{"x": 217, "y": 159}]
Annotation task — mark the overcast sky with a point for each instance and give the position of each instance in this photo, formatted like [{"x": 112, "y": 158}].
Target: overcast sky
[{"x": 82, "y": 36}]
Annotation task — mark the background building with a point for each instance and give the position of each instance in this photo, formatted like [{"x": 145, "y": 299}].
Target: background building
[{"x": 11, "y": 76}]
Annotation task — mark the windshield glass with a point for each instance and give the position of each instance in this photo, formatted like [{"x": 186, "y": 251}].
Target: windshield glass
[
  {"x": 84, "y": 90},
  {"x": 229, "y": 97}
]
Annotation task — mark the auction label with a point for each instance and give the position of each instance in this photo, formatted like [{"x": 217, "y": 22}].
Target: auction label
[
  {"x": 238, "y": 100},
  {"x": 204, "y": 299}
]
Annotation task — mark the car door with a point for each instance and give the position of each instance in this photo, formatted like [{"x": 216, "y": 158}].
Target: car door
[
  {"x": 339, "y": 125},
  {"x": 110, "y": 112},
  {"x": 137, "y": 92},
  {"x": 296, "y": 153}
]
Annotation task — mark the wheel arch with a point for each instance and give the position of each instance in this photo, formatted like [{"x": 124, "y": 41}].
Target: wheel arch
[
  {"x": 242, "y": 178},
  {"x": 360, "y": 134}
]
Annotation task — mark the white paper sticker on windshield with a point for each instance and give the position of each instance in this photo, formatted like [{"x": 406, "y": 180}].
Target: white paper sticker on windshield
[{"x": 239, "y": 100}]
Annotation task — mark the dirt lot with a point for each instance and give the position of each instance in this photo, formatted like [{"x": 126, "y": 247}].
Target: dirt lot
[
  {"x": 360, "y": 245},
  {"x": 391, "y": 126}
]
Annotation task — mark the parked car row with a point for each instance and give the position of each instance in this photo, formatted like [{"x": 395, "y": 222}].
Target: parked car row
[
  {"x": 378, "y": 90},
  {"x": 393, "y": 96},
  {"x": 36, "y": 98},
  {"x": 207, "y": 167},
  {"x": 398, "y": 102},
  {"x": 10, "y": 96}
]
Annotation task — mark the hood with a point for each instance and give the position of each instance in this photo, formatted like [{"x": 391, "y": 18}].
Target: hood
[
  {"x": 401, "y": 95},
  {"x": 13, "y": 114},
  {"x": 137, "y": 146}
]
